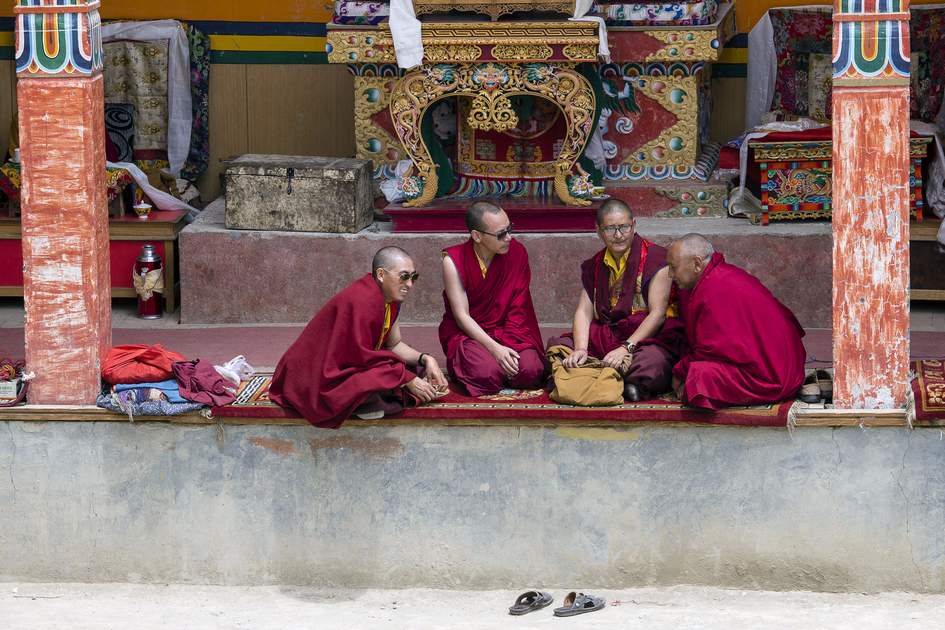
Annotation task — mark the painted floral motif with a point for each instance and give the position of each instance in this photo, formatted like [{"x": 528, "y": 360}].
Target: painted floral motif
[
  {"x": 490, "y": 76},
  {"x": 799, "y": 35},
  {"x": 692, "y": 13},
  {"x": 363, "y": 13}
]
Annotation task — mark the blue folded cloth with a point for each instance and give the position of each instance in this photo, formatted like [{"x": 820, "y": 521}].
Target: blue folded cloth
[{"x": 169, "y": 388}]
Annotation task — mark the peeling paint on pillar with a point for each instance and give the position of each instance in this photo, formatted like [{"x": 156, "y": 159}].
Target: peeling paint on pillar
[
  {"x": 65, "y": 214},
  {"x": 871, "y": 205}
]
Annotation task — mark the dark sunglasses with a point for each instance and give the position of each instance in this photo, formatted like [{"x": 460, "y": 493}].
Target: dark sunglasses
[
  {"x": 501, "y": 234},
  {"x": 404, "y": 276}
]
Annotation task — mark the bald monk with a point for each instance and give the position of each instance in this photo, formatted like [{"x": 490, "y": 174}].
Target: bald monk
[
  {"x": 489, "y": 330},
  {"x": 623, "y": 305},
  {"x": 351, "y": 360},
  {"x": 745, "y": 346}
]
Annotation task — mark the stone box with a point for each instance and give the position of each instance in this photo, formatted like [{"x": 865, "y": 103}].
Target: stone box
[{"x": 299, "y": 193}]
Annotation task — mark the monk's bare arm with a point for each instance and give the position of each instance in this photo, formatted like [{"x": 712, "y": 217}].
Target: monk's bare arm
[
  {"x": 507, "y": 358},
  {"x": 456, "y": 294},
  {"x": 658, "y": 302},
  {"x": 580, "y": 330},
  {"x": 395, "y": 343},
  {"x": 581, "y": 325}
]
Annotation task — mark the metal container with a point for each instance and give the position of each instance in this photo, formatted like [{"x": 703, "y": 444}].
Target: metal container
[{"x": 149, "y": 286}]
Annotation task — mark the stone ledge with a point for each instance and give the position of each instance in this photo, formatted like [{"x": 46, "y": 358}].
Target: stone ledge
[
  {"x": 804, "y": 417},
  {"x": 235, "y": 276}
]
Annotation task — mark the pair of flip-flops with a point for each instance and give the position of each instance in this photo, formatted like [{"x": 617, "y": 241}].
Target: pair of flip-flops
[{"x": 574, "y": 603}]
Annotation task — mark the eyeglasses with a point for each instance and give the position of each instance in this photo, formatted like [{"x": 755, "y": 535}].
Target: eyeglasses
[
  {"x": 611, "y": 230},
  {"x": 501, "y": 234},
  {"x": 404, "y": 276}
]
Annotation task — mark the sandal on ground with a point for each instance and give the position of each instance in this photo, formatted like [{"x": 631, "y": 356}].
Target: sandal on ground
[
  {"x": 370, "y": 415},
  {"x": 810, "y": 390},
  {"x": 530, "y": 601},
  {"x": 578, "y": 604}
]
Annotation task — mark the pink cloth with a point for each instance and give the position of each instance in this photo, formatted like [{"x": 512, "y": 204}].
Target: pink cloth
[{"x": 200, "y": 382}]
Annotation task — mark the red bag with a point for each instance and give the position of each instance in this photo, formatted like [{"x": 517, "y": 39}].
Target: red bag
[{"x": 139, "y": 364}]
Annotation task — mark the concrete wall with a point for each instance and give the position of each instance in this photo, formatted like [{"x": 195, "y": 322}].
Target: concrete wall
[
  {"x": 475, "y": 507},
  {"x": 233, "y": 276}
]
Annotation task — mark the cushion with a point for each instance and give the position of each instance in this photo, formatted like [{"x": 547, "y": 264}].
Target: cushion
[
  {"x": 819, "y": 85},
  {"x": 120, "y": 127}
]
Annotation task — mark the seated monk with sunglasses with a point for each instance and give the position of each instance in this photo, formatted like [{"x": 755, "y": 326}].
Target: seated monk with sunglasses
[
  {"x": 489, "y": 331},
  {"x": 351, "y": 360}
]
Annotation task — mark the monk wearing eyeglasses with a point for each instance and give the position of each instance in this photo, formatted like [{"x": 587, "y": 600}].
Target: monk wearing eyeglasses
[
  {"x": 351, "y": 359},
  {"x": 489, "y": 331},
  {"x": 627, "y": 308}
]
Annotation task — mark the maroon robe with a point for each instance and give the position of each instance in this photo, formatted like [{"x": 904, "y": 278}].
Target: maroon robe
[
  {"x": 745, "y": 346},
  {"x": 501, "y": 303},
  {"x": 334, "y": 366},
  {"x": 654, "y": 357}
]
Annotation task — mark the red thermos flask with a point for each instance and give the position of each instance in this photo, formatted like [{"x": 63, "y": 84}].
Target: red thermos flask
[{"x": 149, "y": 283}]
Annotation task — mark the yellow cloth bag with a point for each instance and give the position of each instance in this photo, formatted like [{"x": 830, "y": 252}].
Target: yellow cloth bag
[{"x": 591, "y": 385}]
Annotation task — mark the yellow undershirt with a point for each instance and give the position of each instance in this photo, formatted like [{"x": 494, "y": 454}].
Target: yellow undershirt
[
  {"x": 482, "y": 265},
  {"x": 616, "y": 273},
  {"x": 386, "y": 328}
]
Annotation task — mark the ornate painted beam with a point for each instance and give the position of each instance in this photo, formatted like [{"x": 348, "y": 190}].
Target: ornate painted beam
[
  {"x": 871, "y": 203},
  {"x": 65, "y": 216}
]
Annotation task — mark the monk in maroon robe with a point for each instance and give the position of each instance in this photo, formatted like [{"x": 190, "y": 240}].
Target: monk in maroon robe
[
  {"x": 350, "y": 359},
  {"x": 623, "y": 309},
  {"x": 489, "y": 330},
  {"x": 745, "y": 346}
]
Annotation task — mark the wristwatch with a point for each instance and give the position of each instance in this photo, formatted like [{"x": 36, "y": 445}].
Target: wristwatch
[{"x": 630, "y": 346}]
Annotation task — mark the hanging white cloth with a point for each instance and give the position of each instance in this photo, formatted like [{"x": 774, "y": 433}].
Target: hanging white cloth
[
  {"x": 581, "y": 10},
  {"x": 179, "y": 111},
  {"x": 161, "y": 199},
  {"x": 405, "y": 31}
]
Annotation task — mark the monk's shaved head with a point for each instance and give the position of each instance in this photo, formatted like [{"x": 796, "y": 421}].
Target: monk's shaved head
[
  {"x": 476, "y": 211},
  {"x": 388, "y": 257},
  {"x": 694, "y": 245},
  {"x": 687, "y": 258},
  {"x": 612, "y": 206}
]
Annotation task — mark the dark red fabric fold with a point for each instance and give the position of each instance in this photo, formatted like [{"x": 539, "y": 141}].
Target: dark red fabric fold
[
  {"x": 200, "y": 382},
  {"x": 501, "y": 303},
  {"x": 745, "y": 346},
  {"x": 335, "y": 365}
]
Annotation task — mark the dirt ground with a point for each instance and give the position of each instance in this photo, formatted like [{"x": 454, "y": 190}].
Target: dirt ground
[{"x": 27, "y": 606}]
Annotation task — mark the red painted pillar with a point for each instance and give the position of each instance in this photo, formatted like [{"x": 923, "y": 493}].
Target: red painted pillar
[
  {"x": 871, "y": 203},
  {"x": 65, "y": 214}
]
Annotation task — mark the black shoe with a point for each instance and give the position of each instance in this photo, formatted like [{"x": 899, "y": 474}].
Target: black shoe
[{"x": 631, "y": 392}]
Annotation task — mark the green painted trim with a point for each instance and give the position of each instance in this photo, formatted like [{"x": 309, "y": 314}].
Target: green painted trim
[
  {"x": 251, "y": 57},
  {"x": 729, "y": 70},
  {"x": 6, "y": 53}
]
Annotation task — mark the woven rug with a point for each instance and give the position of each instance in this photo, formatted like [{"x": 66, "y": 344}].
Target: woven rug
[
  {"x": 929, "y": 389},
  {"x": 252, "y": 401}
]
